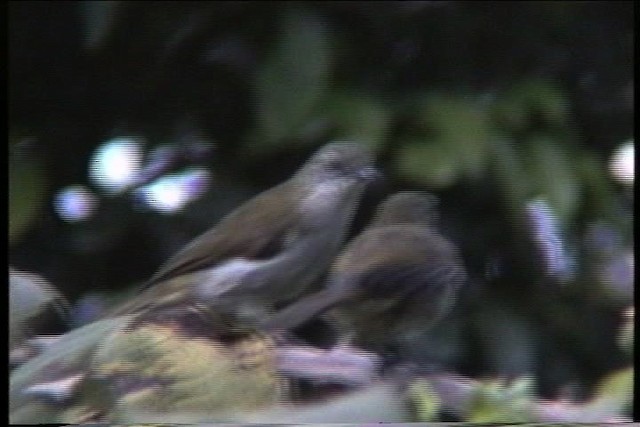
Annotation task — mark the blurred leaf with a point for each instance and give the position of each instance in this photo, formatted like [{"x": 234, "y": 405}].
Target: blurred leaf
[
  {"x": 27, "y": 194},
  {"x": 515, "y": 110},
  {"x": 509, "y": 174},
  {"x": 295, "y": 76},
  {"x": 498, "y": 402},
  {"x": 611, "y": 403},
  {"x": 600, "y": 409},
  {"x": 600, "y": 195},
  {"x": 553, "y": 175},
  {"x": 425, "y": 400},
  {"x": 433, "y": 165},
  {"x": 460, "y": 125},
  {"x": 359, "y": 117},
  {"x": 617, "y": 387},
  {"x": 450, "y": 140}
]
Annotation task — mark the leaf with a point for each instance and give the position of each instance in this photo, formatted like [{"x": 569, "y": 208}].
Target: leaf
[
  {"x": 461, "y": 126},
  {"x": 450, "y": 140},
  {"x": 426, "y": 402},
  {"x": 517, "y": 108},
  {"x": 358, "y": 117},
  {"x": 27, "y": 194},
  {"x": 498, "y": 402},
  {"x": 295, "y": 76},
  {"x": 616, "y": 388},
  {"x": 552, "y": 174},
  {"x": 432, "y": 165},
  {"x": 509, "y": 173}
]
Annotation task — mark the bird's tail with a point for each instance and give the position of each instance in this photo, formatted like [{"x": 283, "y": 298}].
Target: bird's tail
[{"x": 303, "y": 310}]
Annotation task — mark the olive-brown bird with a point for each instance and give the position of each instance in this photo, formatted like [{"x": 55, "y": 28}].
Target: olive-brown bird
[
  {"x": 179, "y": 347},
  {"x": 393, "y": 281},
  {"x": 274, "y": 246}
]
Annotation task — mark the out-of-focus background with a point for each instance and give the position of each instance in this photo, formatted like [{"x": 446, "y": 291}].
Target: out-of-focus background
[{"x": 134, "y": 126}]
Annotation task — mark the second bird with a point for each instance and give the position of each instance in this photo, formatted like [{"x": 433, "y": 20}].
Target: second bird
[{"x": 392, "y": 282}]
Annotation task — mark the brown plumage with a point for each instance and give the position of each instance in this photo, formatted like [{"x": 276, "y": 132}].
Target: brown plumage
[
  {"x": 272, "y": 247},
  {"x": 396, "y": 279}
]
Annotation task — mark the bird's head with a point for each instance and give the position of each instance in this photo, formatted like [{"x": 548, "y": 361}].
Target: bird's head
[
  {"x": 340, "y": 161},
  {"x": 408, "y": 207}
]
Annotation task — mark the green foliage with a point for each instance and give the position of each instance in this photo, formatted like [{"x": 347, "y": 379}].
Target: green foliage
[
  {"x": 357, "y": 116},
  {"x": 498, "y": 402},
  {"x": 293, "y": 79},
  {"x": 616, "y": 390},
  {"x": 27, "y": 194},
  {"x": 449, "y": 140},
  {"x": 529, "y": 101},
  {"x": 508, "y": 171},
  {"x": 600, "y": 197},
  {"x": 433, "y": 165},
  {"x": 551, "y": 173},
  {"x": 425, "y": 401}
]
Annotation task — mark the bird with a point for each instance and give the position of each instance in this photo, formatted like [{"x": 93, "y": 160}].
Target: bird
[
  {"x": 395, "y": 280},
  {"x": 270, "y": 249},
  {"x": 183, "y": 345}
]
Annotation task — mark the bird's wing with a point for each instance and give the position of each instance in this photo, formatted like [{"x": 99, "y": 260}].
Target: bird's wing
[
  {"x": 305, "y": 309},
  {"x": 389, "y": 281},
  {"x": 254, "y": 231}
]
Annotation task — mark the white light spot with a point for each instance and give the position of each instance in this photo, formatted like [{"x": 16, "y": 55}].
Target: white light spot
[
  {"x": 171, "y": 193},
  {"x": 548, "y": 239},
  {"x": 75, "y": 203},
  {"x": 195, "y": 182},
  {"x": 116, "y": 163},
  {"x": 621, "y": 164}
]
